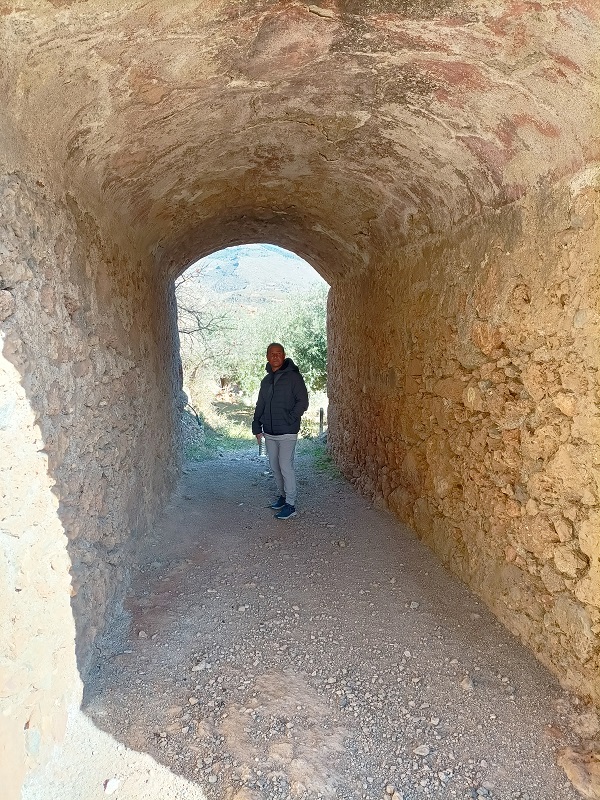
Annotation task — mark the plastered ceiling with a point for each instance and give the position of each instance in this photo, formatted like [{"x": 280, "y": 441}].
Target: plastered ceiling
[{"x": 337, "y": 130}]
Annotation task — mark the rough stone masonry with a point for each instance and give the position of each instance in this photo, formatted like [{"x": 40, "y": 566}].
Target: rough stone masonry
[{"x": 437, "y": 161}]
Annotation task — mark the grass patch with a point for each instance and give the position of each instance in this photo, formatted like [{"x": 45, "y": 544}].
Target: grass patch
[
  {"x": 226, "y": 427},
  {"x": 322, "y": 461},
  {"x": 230, "y": 424}
]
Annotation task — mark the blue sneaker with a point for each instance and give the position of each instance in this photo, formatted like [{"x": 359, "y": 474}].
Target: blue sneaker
[
  {"x": 278, "y": 504},
  {"x": 286, "y": 512}
]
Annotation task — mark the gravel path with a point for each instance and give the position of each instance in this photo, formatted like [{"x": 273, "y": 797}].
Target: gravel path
[{"x": 329, "y": 656}]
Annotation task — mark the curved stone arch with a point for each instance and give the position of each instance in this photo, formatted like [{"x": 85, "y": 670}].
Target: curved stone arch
[{"x": 260, "y": 230}]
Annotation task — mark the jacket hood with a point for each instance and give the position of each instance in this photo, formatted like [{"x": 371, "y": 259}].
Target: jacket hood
[{"x": 288, "y": 365}]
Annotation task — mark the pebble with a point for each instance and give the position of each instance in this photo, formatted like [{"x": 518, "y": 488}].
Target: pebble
[
  {"x": 467, "y": 683},
  {"x": 111, "y": 785},
  {"x": 142, "y": 635},
  {"x": 192, "y": 701},
  {"x": 327, "y": 13},
  {"x": 422, "y": 750}
]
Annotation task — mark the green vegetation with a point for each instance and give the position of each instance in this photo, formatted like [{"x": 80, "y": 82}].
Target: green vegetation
[
  {"x": 322, "y": 461},
  {"x": 223, "y": 353},
  {"x": 299, "y": 323},
  {"x": 224, "y": 427},
  {"x": 228, "y": 344}
]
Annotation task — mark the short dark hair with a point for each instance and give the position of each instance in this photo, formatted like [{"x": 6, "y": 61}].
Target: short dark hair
[{"x": 276, "y": 344}]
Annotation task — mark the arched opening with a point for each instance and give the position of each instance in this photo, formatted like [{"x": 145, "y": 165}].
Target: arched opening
[{"x": 231, "y": 304}]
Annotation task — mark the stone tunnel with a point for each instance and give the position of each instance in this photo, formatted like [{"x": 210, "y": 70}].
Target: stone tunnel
[{"x": 437, "y": 161}]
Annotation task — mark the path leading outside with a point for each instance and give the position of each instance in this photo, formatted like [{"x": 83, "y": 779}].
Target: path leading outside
[{"x": 328, "y": 656}]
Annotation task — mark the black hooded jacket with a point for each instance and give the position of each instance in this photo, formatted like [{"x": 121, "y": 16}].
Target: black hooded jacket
[{"x": 282, "y": 400}]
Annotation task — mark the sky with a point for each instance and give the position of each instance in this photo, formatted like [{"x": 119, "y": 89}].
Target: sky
[{"x": 247, "y": 268}]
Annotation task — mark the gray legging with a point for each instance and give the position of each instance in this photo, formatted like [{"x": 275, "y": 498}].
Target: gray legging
[{"x": 280, "y": 450}]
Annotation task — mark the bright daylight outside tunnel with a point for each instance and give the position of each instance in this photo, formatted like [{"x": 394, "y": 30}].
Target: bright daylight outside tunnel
[{"x": 436, "y": 161}]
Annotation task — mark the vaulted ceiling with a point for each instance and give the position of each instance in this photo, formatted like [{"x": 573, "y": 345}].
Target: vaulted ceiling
[{"x": 332, "y": 130}]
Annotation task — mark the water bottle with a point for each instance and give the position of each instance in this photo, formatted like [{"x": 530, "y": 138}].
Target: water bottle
[{"x": 262, "y": 447}]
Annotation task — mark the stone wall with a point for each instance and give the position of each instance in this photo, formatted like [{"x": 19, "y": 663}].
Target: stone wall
[
  {"x": 88, "y": 456},
  {"x": 38, "y": 675},
  {"x": 464, "y": 380}
]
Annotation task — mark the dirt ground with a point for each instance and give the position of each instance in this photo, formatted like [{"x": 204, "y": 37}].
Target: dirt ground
[{"x": 328, "y": 656}]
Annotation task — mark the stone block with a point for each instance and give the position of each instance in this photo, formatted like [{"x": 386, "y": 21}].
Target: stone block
[
  {"x": 587, "y": 590},
  {"x": 568, "y": 561},
  {"x": 566, "y": 403},
  {"x": 7, "y": 304},
  {"x": 486, "y": 337},
  {"x": 575, "y": 622}
]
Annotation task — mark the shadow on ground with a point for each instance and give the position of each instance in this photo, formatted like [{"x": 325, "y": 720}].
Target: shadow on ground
[{"x": 326, "y": 656}]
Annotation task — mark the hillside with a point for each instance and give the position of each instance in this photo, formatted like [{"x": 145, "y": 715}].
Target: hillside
[{"x": 255, "y": 274}]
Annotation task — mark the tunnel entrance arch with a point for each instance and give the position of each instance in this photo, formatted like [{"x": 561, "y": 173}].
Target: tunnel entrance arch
[{"x": 230, "y": 305}]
